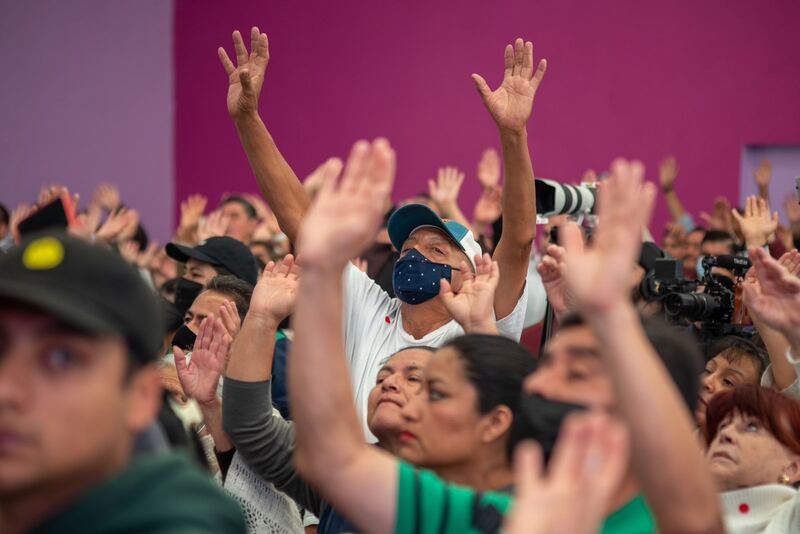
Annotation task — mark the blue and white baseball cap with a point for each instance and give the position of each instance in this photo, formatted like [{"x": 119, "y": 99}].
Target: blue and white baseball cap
[{"x": 411, "y": 217}]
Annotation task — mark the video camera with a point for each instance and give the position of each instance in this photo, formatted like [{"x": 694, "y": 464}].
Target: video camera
[{"x": 718, "y": 308}]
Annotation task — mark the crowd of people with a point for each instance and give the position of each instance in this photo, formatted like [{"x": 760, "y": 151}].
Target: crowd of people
[{"x": 314, "y": 358}]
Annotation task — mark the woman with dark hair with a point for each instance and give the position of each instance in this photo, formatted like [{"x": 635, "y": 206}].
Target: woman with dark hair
[
  {"x": 754, "y": 456},
  {"x": 732, "y": 361},
  {"x": 460, "y": 426}
]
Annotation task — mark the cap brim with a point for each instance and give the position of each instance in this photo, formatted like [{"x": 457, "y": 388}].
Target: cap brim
[
  {"x": 182, "y": 254},
  {"x": 69, "y": 308},
  {"x": 411, "y": 217}
]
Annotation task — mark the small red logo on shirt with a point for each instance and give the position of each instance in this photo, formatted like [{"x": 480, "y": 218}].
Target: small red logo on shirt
[
  {"x": 743, "y": 508},
  {"x": 388, "y": 321}
]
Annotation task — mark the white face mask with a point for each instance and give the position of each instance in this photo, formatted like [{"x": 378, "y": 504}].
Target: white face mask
[{"x": 188, "y": 413}]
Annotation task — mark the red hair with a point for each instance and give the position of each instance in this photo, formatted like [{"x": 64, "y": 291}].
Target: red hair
[{"x": 778, "y": 413}]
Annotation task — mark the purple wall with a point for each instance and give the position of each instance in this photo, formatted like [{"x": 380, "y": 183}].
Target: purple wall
[
  {"x": 631, "y": 78},
  {"x": 85, "y": 97},
  {"x": 785, "y": 168}
]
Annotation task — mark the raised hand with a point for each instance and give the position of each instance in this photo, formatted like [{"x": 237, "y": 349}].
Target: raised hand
[
  {"x": 473, "y": 306},
  {"x": 247, "y": 77},
  {"x": 763, "y": 174},
  {"x": 191, "y": 210},
  {"x": 129, "y": 250},
  {"x": 106, "y": 196},
  {"x": 756, "y": 224},
  {"x": 489, "y": 169},
  {"x": 599, "y": 277},
  {"x": 510, "y": 105},
  {"x": 145, "y": 258},
  {"x": 588, "y": 464},
  {"x": 275, "y": 293},
  {"x": 551, "y": 270},
  {"x": 792, "y": 207},
  {"x": 489, "y": 206},
  {"x": 667, "y": 173},
  {"x": 215, "y": 225},
  {"x": 345, "y": 217},
  {"x": 772, "y": 294},
  {"x": 313, "y": 181},
  {"x": 229, "y": 316},
  {"x": 721, "y": 219},
  {"x": 445, "y": 189},
  {"x": 117, "y": 225},
  {"x": 200, "y": 377}
]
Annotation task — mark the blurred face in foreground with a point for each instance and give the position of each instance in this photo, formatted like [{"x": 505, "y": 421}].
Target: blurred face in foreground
[
  {"x": 69, "y": 406},
  {"x": 570, "y": 370}
]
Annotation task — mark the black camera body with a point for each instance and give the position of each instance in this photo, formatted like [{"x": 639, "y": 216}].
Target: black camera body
[{"x": 714, "y": 308}]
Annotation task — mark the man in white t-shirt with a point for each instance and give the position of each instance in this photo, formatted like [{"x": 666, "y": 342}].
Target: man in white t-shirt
[{"x": 377, "y": 326}]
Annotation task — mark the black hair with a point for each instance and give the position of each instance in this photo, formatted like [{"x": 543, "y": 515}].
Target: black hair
[
  {"x": 677, "y": 350},
  {"x": 697, "y": 229},
  {"x": 4, "y": 218},
  {"x": 496, "y": 366},
  {"x": 173, "y": 318},
  {"x": 234, "y": 288},
  {"x": 715, "y": 236},
  {"x": 169, "y": 287},
  {"x": 735, "y": 347},
  {"x": 248, "y": 208},
  {"x": 140, "y": 236}
]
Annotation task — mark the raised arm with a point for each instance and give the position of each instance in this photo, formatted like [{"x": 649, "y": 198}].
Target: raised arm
[
  {"x": 672, "y": 471},
  {"x": 200, "y": 376},
  {"x": 510, "y": 106},
  {"x": 276, "y": 179},
  {"x": 667, "y": 174},
  {"x": 444, "y": 191},
  {"x": 775, "y": 299},
  {"x": 358, "y": 479}
]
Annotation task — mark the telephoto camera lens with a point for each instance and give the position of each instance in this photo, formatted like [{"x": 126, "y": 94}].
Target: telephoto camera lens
[{"x": 694, "y": 306}]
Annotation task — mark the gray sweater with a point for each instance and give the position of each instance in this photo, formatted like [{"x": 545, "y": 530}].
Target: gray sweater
[{"x": 265, "y": 441}]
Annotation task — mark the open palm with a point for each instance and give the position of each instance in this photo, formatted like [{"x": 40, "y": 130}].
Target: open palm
[
  {"x": 200, "y": 377},
  {"x": 276, "y": 291},
  {"x": 600, "y": 276},
  {"x": 473, "y": 306},
  {"x": 774, "y": 297},
  {"x": 247, "y": 77},
  {"x": 345, "y": 217},
  {"x": 510, "y": 104}
]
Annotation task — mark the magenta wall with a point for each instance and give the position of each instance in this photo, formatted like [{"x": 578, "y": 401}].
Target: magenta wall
[
  {"x": 631, "y": 78},
  {"x": 86, "y": 97}
]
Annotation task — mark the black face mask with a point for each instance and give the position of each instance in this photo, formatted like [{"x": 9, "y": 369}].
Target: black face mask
[
  {"x": 184, "y": 338},
  {"x": 540, "y": 419},
  {"x": 185, "y": 293}
]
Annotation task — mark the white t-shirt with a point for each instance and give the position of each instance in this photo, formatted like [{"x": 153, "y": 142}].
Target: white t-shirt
[{"x": 374, "y": 331}]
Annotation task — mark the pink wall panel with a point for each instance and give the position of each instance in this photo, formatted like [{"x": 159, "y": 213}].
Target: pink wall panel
[{"x": 631, "y": 78}]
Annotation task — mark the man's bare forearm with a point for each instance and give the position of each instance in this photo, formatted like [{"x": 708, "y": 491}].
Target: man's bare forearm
[
  {"x": 674, "y": 205},
  {"x": 519, "y": 192},
  {"x": 672, "y": 472},
  {"x": 276, "y": 179}
]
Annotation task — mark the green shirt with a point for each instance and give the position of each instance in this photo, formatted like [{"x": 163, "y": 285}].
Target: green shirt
[
  {"x": 428, "y": 505},
  {"x": 159, "y": 494}
]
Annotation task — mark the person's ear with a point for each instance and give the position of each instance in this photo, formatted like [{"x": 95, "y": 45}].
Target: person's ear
[
  {"x": 496, "y": 423},
  {"x": 143, "y": 398},
  {"x": 792, "y": 471}
]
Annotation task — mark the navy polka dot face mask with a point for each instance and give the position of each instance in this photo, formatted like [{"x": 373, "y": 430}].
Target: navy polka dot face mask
[{"x": 416, "y": 278}]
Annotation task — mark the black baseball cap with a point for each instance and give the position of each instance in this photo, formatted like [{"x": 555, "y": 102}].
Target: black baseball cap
[
  {"x": 226, "y": 252},
  {"x": 87, "y": 287}
]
